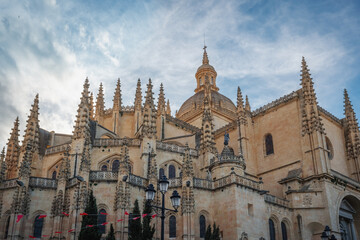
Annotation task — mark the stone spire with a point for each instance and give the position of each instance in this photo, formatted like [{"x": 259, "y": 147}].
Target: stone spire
[
  {"x": 138, "y": 96},
  {"x": 32, "y": 127},
  {"x": 91, "y": 110},
  {"x": 205, "y": 59},
  {"x": 240, "y": 100},
  {"x": 2, "y": 166},
  {"x": 168, "y": 110},
  {"x": 350, "y": 116},
  {"x": 64, "y": 172},
  {"x": 124, "y": 167},
  {"x": 149, "y": 122},
  {"x": 25, "y": 167},
  {"x": 13, "y": 151},
  {"x": 205, "y": 71},
  {"x": 161, "y": 101},
  {"x": 247, "y": 104},
  {"x": 117, "y": 97},
  {"x": 311, "y": 120},
  {"x": 187, "y": 167},
  {"x": 100, "y": 104},
  {"x": 152, "y": 169},
  {"x": 85, "y": 157},
  {"x": 82, "y": 122}
]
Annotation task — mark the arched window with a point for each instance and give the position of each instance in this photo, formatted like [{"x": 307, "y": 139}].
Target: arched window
[
  {"x": 200, "y": 80},
  {"x": 53, "y": 176},
  {"x": 103, "y": 168},
  {"x": 161, "y": 172},
  {"x": 269, "y": 146},
  {"x": 330, "y": 148},
  {"x": 7, "y": 227},
  {"x": 115, "y": 165},
  {"x": 38, "y": 226},
  {"x": 283, "y": 231},
  {"x": 101, "y": 220},
  {"x": 272, "y": 229},
  {"x": 130, "y": 169},
  {"x": 202, "y": 221},
  {"x": 172, "y": 227},
  {"x": 172, "y": 172},
  {"x": 299, "y": 222}
]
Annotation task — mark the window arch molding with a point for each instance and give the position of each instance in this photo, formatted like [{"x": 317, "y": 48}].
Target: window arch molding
[
  {"x": 4, "y": 226},
  {"x": 208, "y": 221},
  {"x": 268, "y": 144},
  {"x": 54, "y": 167},
  {"x": 276, "y": 222},
  {"x": 109, "y": 160},
  {"x": 287, "y": 223},
  {"x": 166, "y": 165},
  {"x": 329, "y": 148},
  {"x": 37, "y": 227}
]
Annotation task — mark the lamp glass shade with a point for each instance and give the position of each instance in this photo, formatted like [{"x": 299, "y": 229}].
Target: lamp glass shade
[
  {"x": 324, "y": 236},
  {"x": 175, "y": 199},
  {"x": 163, "y": 184},
  {"x": 150, "y": 192},
  {"x": 327, "y": 230},
  {"x": 333, "y": 237}
]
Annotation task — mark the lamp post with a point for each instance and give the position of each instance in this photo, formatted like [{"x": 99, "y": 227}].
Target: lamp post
[
  {"x": 80, "y": 179},
  {"x": 175, "y": 200},
  {"x": 20, "y": 184},
  {"x": 326, "y": 234}
]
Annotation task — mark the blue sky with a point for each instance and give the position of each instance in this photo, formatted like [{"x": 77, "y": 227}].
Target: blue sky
[{"x": 49, "y": 47}]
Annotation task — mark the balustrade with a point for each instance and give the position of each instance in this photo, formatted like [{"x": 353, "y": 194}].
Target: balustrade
[
  {"x": 103, "y": 176},
  {"x": 42, "y": 182}
]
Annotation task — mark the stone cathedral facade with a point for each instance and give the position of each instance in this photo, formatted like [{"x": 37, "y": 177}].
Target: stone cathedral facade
[{"x": 283, "y": 171}]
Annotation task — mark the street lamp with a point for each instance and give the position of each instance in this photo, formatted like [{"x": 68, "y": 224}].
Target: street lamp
[
  {"x": 175, "y": 200},
  {"x": 326, "y": 234},
  {"x": 80, "y": 179}
]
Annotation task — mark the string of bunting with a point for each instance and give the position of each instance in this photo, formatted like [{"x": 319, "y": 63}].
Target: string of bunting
[{"x": 136, "y": 217}]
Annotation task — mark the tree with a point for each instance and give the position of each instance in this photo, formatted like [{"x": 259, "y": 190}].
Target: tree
[
  {"x": 135, "y": 228},
  {"x": 148, "y": 231},
  {"x": 88, "y": 232},
  {"x": 208, "y": 233},
  {"x": 111, "y": 234}
]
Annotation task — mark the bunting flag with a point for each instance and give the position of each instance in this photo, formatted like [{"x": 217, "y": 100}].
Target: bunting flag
[
  {"x": 19, "y": 217},
  {"x": 71, "y": 230},
  {"x": 144, "y": 215},
  {"x": 135, "y": 218},
  {"x": 119, "y": 220},
  {"x": 104, "y": 223},
  {"x": 46, "y": 235},
  {"x": 154, "y": 215},
  {"x": 89, "y": 226},
  {"x": 126, "y": 213},
  {"x": 66, "y": 214},
  {"x": 42, "y": 216},
  {"x": 31, "y": 236},
  {"x": 84, "y": 214},
  {"x": 57, "y": 232}
]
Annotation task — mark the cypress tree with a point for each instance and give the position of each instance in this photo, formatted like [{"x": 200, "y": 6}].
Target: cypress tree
[
  {"x": 111, "y": 234},
  {"x": 216, "y": 233},
  {"x": 91, "y": 219},
  {"x": 148, "y": 231},
  {"x": 208, "y": 233},
  {"x": 135, "y": 228}
]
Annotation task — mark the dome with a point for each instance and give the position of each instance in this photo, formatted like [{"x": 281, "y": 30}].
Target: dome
[
  {"x": 219, "y": 102},
  {"x": 206, "y": 66}
]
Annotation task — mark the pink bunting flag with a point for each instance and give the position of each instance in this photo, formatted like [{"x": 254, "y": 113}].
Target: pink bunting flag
[
  {"x": 66, "y": 214},
  {"x": 126, "y": 213},
  {"x": 144, "y": 215},
  {"x": 71, "y": 230},
  {"x": 120, "y": 220},
  {"x": 84, "y": 214},
  {"x": 154, "y": 215},
  {"x": 89, "y": 225},
  {"x": 31, "y": 236},
  {"x": 103, "y": 213},
  {"x": 46, "y": 235},
  {"x": 19, "y": 217},
  {"x": 57, "y": 232},
  {"x": 104, "y": 223},
  {"x": 136, "y": 218},
  {"x": 42, "y": 216}
]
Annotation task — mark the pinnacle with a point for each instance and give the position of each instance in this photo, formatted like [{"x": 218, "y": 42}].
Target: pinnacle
[
  {"x": 240, "y": 100},
  {"x": 117, "y": 96},
  {"x": 205, "y": 57},
  {"x": 138, "y": 96},
  {"x": 247, "y": 104},
  {"x": 161, "y": 100}
]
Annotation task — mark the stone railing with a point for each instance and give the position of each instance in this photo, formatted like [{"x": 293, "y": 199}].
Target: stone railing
[
  {"x": 138, "y": 181},
  {"x": 175, "y": 182},
  {"x": 246, "y": 182},
  {"x": 175, "y": 148},
  {"x": 56, "y": 149},
  {"x": 203, "y": 183},
  {"x": 277, "y": 201},
  {"x": 103, "y": 176},
  {"x": 72, "y": 182},
  {"x": 108, "y": 142},
  {"x": 42, "y": 182},
  {"x": 10, "y": 183}
]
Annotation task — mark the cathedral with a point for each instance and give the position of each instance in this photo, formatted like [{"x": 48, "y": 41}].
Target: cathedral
[{"x": 283, "y": 171}]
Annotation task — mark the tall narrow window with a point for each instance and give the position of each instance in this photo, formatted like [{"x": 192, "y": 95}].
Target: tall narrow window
[
  {"x": 53, "y": 175},
  {"x": 38, "y": 226},
  {"x": 269, "y": 146},
  {"x": 161, "y": 172},
  {"x": 7, "y": 227},
  {"x": 272, "y": 229},
  {"x": 101, "y": 220},
  {"x": 200, "y": 80},
  {"x": 115, "y": 165},
  {"x": 202, "y": 221},
  {"x": 330, "y": 148},
  {"x": 137, "y": 121},
  {"x": 130, "y": 169},
  {"x": 162, "y": 128},
  {"x": 299, "y": 222},
  {"x": 104, "y": 168},
  {"x": 172, "y": 173},
  {"x": 172, "y": 227},
  {"x": 283, "y": 231}
]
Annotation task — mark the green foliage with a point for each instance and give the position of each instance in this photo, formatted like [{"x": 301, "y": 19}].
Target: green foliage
[
  {"x": 148, "y": 231},
  {"x": 208, "y": 233},
  {"x": 135, "y": 228},
  {"x": 111, "y": 234},
  {"x": 214, "y": 235},
  {"x": 90, "y": 232}
]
